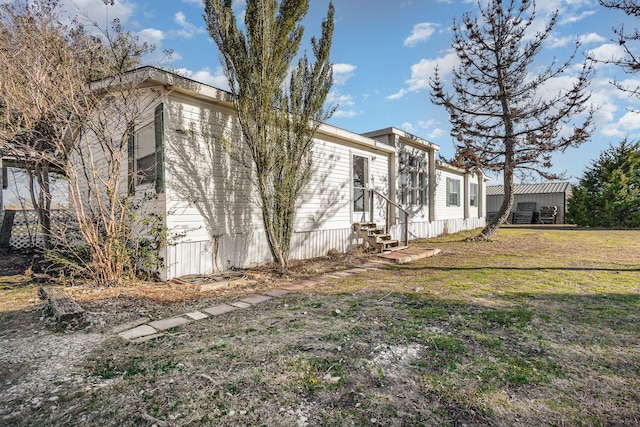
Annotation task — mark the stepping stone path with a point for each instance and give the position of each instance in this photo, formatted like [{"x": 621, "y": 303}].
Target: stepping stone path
[
  {"x": 137, "y": 332},
  {"x": 219, "y": 309},
  {"x": 164, "y": 324},
  {"x": 196, "y": 315},
  {"x": 142, "y": 330}
]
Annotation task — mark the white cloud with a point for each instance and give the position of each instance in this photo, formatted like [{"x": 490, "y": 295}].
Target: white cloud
[
  {"x": 560, "y": 41},
  {"x": 342, "y": 73},
  {"x": 436, "y": 133},
  {"x": 180, "y": 18},
  {"x": 611, "y": 130},
  {"x": 216, "y": 79},
  {"x": 568, "y": 18},
  {"x": 399, "y": 94},
  {"x": 100, "y": 13},
  {"x": 188, "y": 29},
  {"x": 421, "y": 32},
  {"x": 630, "y": 121},
  {"x": 337, "y": 99},
  {"x": 423, "y": 125},
  {"x": 424, "y": 70},
  {"x": 584, "y": 39},
  {"x": 151, "y": 36},
  {"x": 607, "y": 52},
  {"x": 408, "y": 127},
  {"x": 592, "y": 38},
  {"x": 344, "y": 114}
]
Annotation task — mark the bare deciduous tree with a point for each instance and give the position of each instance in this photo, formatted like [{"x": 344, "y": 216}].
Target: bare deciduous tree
[
  {"x": 500, "y": 116},
  {"x": 626, "y": 39},
  {"x": 278, "y": 114},
  {"x": 52, "y": 118}
]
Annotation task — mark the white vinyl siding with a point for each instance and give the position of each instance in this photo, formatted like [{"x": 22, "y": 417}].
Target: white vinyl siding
[
  {"x": 444, "y": 209},
  {"x": 209, "y": 193}
]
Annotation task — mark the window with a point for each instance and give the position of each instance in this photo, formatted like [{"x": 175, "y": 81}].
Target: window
[
  {"x": 413, "y": 190},
  {"x": 146, "y": 153},
  {"x": 360, "y": 183},
  {"x": 473, "y": 194},
  {"x": 453, "y": 192},
  {"x": 413, "y": 179},
  {"x": 423, "y": 188},
  {"x": 145, "y": 147}
]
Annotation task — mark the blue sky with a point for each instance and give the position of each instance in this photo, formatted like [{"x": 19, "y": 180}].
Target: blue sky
[{"x": 384, "y": 52}]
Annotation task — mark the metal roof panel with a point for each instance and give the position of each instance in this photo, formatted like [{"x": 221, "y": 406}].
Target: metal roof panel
[{"x": 543, "y": 188}]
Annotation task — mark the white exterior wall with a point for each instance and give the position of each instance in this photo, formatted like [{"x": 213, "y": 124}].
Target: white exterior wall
[
  {"x": 209, "y": 194},
  {"x": 449, "y": 219},
  {"x": 444, "y": 211},
  {"x": 476, "y": 211}
]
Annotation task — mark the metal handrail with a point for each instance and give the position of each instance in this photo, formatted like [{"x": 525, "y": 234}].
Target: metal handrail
[{"x": 387, "y": 212}]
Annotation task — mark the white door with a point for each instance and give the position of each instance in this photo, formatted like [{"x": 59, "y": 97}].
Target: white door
[{"x": 360, "y": 197}]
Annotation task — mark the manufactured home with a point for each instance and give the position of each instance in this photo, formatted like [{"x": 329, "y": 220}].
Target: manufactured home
[{"x": 209, "y": 207}]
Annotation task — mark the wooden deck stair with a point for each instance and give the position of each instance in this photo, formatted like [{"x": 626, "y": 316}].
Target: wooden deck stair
[{"x": 377, "y": 237}]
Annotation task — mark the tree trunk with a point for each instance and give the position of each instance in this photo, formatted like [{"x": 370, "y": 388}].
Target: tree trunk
[
  {"x": 39, "y": 174},
  {"x": 44, "y": 205},
  {"x": 503, "y": 213},
  {"x": 279, "y": 257},
  {"x": 509, "y": 159}
]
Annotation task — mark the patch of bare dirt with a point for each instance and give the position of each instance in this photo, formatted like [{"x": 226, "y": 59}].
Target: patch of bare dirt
[{"x": 39, "y": 359}]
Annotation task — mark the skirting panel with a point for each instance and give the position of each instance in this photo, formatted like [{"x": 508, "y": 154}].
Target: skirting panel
[{"x": 247, "y": 250}]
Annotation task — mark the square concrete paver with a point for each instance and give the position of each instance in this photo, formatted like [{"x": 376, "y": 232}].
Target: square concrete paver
[
  {"x": 130, "y": 325},
  {"x": 137, "y": 332},
  {"x": 255, "y": 299},
  {"x": 172, "y": 322},
  {"x": 196, "y": 315},
  {"x": 276, "y": 292},
  {"x": 241, "y": 304},
  {"x": 308, "y": 283},
  {"x": 217, "y": 310},
  {"x": 295, "y": 287}
]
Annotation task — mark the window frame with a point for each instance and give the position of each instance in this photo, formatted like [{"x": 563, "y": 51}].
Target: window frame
[
  {"x": 452, "y": 184},
  {"x": 473, "y": 194},
  {"x": 145, "y": 149},
  {"x": 413, "y": 180},
  {"x": 153, "y": 174}
]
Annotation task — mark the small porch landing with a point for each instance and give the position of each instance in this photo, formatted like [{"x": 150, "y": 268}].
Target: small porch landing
[{"x": 406, "y": 255}]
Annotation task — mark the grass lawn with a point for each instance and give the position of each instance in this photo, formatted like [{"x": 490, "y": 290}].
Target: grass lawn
[{"x": 538, "y": 327}]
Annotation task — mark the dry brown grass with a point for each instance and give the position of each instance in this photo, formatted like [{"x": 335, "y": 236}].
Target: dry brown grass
[{"x": 535, "y": 328}]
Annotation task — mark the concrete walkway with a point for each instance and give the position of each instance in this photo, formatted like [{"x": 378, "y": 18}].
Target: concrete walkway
[{"x": 146, "y": 329}]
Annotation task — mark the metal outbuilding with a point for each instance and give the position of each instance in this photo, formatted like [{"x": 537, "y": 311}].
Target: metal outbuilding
[{"x": 545, "y": 194}]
